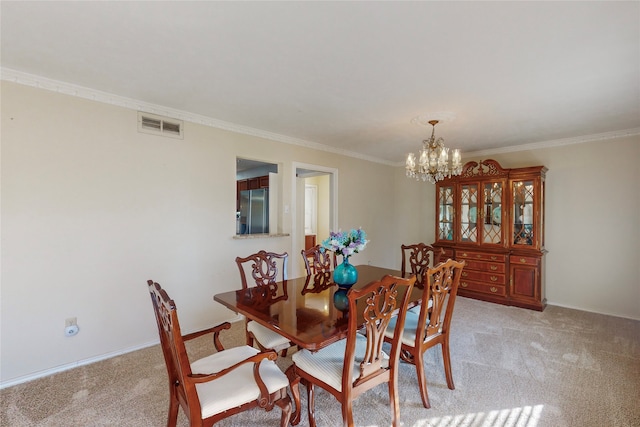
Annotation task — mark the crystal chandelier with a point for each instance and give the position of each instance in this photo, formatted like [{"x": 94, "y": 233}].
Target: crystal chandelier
[{"x": 433, "y": 161}]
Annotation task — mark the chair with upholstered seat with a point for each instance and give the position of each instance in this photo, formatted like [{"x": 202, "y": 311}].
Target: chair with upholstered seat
[
  {"x": 353, "y": 365},
  {"x": 266, "y": 269},
  {"x": 431, "y": 325},
  {"x": 318, "y": 260},
  {"x": 220, "y": 385}
]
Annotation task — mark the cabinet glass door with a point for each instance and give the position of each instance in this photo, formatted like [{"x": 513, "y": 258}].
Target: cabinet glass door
[
  {"x": 492, "y": 213},
  {"x": 469, "y": 213},
  {"x": 523, "y": 201},
  {"x": 446, "y": 213}
]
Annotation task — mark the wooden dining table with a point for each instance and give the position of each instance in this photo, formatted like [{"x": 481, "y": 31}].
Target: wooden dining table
[{"x": 306, "y": 309}]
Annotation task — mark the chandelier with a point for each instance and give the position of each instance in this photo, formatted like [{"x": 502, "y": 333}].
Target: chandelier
[{"x": 433, "y": 161}]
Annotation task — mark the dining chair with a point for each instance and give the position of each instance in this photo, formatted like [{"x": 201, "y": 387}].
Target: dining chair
[
  {"x": 357, "y": 363},
  {"x": 317, "y": 260},
  {"x": 225, "y": 383},
  {"x": 431, "y": 325},
  {"x": 266, "y": 269}
]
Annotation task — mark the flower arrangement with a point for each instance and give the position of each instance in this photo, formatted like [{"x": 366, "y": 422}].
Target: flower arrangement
[{"x": 346, "y": 244}]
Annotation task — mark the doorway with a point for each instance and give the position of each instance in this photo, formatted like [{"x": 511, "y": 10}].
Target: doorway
[{"x": 315, "y": 210}]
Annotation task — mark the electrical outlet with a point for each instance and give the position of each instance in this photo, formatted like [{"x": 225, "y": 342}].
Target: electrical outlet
[{"x": 71, "y": 326}]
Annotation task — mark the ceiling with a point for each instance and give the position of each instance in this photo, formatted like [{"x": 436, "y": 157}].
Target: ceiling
[{"x": 351, "y": 75}]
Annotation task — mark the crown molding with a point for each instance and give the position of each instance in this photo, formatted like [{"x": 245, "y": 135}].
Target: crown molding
[
  {"x": 120, "y": 101},
  {"x": 550, "y": 144},
  {"x": 133, "y": 104},
  {"x": 557, "y": 142}
]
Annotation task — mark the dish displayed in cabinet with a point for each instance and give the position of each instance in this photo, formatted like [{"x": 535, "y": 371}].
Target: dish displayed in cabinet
[{"x": 497, "y": 215}]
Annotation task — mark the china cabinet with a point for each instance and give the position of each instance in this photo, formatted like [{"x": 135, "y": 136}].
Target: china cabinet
[{"x": 493, "y": 218}]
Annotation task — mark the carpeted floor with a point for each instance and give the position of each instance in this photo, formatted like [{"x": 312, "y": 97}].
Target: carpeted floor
[{"x": 511, "y": 367}]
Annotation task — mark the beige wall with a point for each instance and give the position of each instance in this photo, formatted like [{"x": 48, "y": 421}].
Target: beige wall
[
  {"x": 592, "y": 227},
  {"x": 91, "y": 209}
]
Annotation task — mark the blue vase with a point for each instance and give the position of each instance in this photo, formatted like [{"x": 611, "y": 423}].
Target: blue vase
[
  {"x": 345, "y": 275},
  {"x": 340, "y": 299}
]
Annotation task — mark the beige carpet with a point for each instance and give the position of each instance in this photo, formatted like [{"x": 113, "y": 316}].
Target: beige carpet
[{"x": 511, "y": 367}]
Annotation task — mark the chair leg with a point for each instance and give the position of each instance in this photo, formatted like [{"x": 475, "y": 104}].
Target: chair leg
[
  {"x": 284, "y": 404},
  {"x": 172, "y": 418},
  {"x": 311, "y": 404},
  {"x": 294, "y": 381},
  {"x": 347, "y": 412},
  {"x": 394, "y": 398},
  {"x": 422, "y": 380},
  {"x": 446, "y": 357}
]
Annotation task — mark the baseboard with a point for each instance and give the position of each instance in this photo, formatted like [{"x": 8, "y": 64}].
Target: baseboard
[
  {"x": 590, "y": 310},
  {"x": 66, "y": 367}
]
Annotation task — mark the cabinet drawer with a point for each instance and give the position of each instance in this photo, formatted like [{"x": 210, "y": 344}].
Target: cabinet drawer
[
  {"x": 489, "y": 267},
  {"x": 448, "y": 253},
  {"x": 523, "y": 260},
  {"x": 481, "y": 276},
  {"x": 483, "y": 287},
  {"x": 480, "y": 256}
]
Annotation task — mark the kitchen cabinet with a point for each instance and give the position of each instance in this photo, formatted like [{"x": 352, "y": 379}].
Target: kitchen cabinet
[{"x": 309, "y": 241}]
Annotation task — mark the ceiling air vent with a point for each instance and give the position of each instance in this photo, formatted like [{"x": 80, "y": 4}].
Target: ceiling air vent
[{"x": 158, "y": 125}]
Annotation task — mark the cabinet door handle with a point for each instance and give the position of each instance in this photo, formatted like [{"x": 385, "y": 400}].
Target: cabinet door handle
[
  {"x": 493, "y": 258},
  {"x": 478, "y": 256},
  {"x": 464, "y": 254},
  {"x": 493, "y": 278},
  {"x": 493, "y": 289},
  {"x": 465, "y": 274},
  {"x": 493, "y": 267},
  {"x": 464, "y": 284},
  {"x": 522, "y": 260}
]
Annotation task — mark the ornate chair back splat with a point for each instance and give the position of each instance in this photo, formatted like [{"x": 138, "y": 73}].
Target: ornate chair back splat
[
  {"x": 317, "y": 260},
  {"x": 417, "y": 258}
]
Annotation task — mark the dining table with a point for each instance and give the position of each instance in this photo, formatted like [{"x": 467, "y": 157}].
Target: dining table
[{"x": 310, "y": 310}]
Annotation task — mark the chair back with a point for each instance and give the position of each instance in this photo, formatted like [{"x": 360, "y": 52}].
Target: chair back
[
  {"x": 266, "y": 269},
  {"x": 318, "y": 260},
  {"x": 417, "y": 258},
  {"x": 173, "y": 348},
  {"x": 374, "y": 305},
  {"x": 444, "y": 279}
]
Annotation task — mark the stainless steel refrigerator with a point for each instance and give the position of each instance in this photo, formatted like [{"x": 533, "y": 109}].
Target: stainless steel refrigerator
[{"x": 254, "y": 211}]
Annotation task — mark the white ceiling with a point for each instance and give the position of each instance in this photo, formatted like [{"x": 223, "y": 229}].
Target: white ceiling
[{"x": 351, "y": 75}]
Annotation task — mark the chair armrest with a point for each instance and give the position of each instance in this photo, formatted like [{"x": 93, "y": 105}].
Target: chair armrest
[
  {"x": 216, "y": 334},
  {"x": 255, "y": 359}
]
